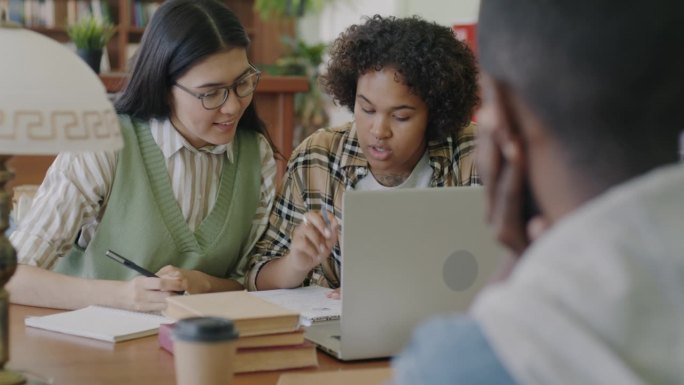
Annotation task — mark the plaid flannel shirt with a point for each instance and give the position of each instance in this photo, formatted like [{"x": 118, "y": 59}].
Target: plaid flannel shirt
[{"x": 322, "y": 168}]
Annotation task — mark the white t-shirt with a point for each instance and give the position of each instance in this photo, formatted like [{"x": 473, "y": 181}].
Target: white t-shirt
[
  {"x": 599, "y": 299},
  {"x": 420, "y": 177}
]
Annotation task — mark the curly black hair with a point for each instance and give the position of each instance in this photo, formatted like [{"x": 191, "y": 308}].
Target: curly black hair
[{"x": 434, "y": 65}]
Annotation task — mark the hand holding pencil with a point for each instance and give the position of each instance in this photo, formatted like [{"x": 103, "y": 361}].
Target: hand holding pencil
[
  {"x": 143, "y": 271},
  {"x": 313, "y": 240}
]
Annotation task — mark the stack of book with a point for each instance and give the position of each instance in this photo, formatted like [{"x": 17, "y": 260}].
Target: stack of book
[{"x": 270, "y": 335}]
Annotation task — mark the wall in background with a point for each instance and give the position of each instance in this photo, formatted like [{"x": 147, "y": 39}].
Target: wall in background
[
  {"x": 339, "y": 14},
  {"x": 445, "y": 12}
]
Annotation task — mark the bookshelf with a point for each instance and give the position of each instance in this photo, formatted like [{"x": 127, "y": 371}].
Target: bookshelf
[{"x": 51, "y": 18}]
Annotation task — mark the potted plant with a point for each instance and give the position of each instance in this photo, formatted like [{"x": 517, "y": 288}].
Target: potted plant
[
  {"x": 286, "y": 8},
  {"x": 304, "y": 60},
  {"x": 90, "y": 35}
]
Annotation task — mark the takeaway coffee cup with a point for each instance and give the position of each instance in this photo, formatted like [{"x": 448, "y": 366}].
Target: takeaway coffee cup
[{"x": 203, "y": 349}]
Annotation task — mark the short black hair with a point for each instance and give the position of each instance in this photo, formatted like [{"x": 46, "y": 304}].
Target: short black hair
[
  {"x": 606, "y": 78},
  {"x": 181, "y": 34},
  {"x": 434, "y": 65}
]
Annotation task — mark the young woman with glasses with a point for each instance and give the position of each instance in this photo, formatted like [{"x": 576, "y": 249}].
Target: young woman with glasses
[
  {"x": 188, "y": 195},
  {"x": 412, "y": 87}
]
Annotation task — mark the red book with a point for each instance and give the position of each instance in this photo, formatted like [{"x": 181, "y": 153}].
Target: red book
[{"x": 262, "y": 358}]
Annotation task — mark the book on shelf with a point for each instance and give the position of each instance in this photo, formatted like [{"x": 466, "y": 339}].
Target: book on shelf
[
  {"x": 141, "y": 12},
  {"x": 311, "y": 302},
  {"x": 376, "y": 376},
  {"x": 260, "y": 358},
  {"x": 54, "y": 13},
  {"x": 250, "y": 314},
  {"x": 100, "y": 10},
  {"x": 101, "y": 323}
]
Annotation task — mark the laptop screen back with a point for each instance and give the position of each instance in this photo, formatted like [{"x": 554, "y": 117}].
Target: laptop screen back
[{"x": 407, "y": 255}]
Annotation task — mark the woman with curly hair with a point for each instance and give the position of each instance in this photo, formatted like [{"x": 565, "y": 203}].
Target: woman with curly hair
[{"x": 412, "y": 87}]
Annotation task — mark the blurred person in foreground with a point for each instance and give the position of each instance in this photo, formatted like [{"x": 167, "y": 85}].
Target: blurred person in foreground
[{"x": 582, "y": 107}]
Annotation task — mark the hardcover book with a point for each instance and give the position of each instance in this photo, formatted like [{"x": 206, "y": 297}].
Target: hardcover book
[
  {"x": 278, "y": 339},
  {"x": 250, "y": 314},
  {"x": 263, "y": 358}
]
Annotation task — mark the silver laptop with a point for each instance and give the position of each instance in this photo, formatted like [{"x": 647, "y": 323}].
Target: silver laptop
[{"x": 408, "y": 254}]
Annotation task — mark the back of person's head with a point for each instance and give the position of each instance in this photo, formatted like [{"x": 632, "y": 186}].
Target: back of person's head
[
  {"x": 606, "y": 78},
  {"x": 433, "y": 64},
  {"x": 180, "y": 34}
]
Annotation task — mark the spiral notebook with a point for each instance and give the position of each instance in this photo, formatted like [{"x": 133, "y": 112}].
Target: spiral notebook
[
  {"x": 311, "y": 302},
  {"x": 101, "y": 323}
]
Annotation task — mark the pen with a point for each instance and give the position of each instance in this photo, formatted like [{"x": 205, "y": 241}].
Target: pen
[
  {"x": 325, "y": 218},
  {"x": 328, "y": 224},
  {"x": 132, "y": 265},
  {"x": 128, "y": 263}
]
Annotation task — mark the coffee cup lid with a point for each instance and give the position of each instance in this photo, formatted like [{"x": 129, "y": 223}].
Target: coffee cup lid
[{"x": 205, "y": 329}]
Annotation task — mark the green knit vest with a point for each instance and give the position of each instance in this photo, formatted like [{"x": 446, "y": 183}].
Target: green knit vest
[{"x": 144, "y": 223}]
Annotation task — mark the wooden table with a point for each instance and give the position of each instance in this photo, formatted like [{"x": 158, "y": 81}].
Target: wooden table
[{"x": 75, "y": 360}]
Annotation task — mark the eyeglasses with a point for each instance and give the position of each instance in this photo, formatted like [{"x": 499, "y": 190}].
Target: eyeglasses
[{"x": 215, "y": 98}]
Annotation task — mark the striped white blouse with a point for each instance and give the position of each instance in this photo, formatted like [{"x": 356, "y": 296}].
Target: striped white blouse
[{"x": 77, "y": 186}]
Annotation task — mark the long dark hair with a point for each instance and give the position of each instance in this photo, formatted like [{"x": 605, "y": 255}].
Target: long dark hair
[{"x": 181, "y": 33}]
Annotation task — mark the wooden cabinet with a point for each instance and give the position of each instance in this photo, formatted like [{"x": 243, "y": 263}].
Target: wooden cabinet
[
  {"x": 275, "y": 105},
  {"x": 51, "y": 17}
]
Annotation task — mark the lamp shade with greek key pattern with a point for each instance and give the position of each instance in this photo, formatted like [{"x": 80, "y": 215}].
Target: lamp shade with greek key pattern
[{"x": 50, "y": 100}]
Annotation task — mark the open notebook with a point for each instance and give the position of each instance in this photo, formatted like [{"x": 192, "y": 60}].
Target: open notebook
[
  {"x": 311, "y": 302},
  {"x": 101, "y": 323}
]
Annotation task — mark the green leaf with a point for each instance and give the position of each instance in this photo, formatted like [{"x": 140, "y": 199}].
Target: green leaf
[
  {"x": 90, "y": 33},
  {"x": 286, "y": 8}
]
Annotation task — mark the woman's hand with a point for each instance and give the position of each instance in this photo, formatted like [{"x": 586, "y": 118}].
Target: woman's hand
[
  {"x": 148, "y": 293},
  {"x": 335, "y": 294},
  {"x": 312, "y": 242},
  {"x": 192, "y": 281}
]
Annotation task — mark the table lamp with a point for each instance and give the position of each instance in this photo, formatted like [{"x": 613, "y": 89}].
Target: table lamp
[{"x": 50, "y": 102}]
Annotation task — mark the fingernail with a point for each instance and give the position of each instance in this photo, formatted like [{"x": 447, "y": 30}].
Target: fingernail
[
  {"x": 327, "y": 233},
  {"x": 321, "y": 248}
]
